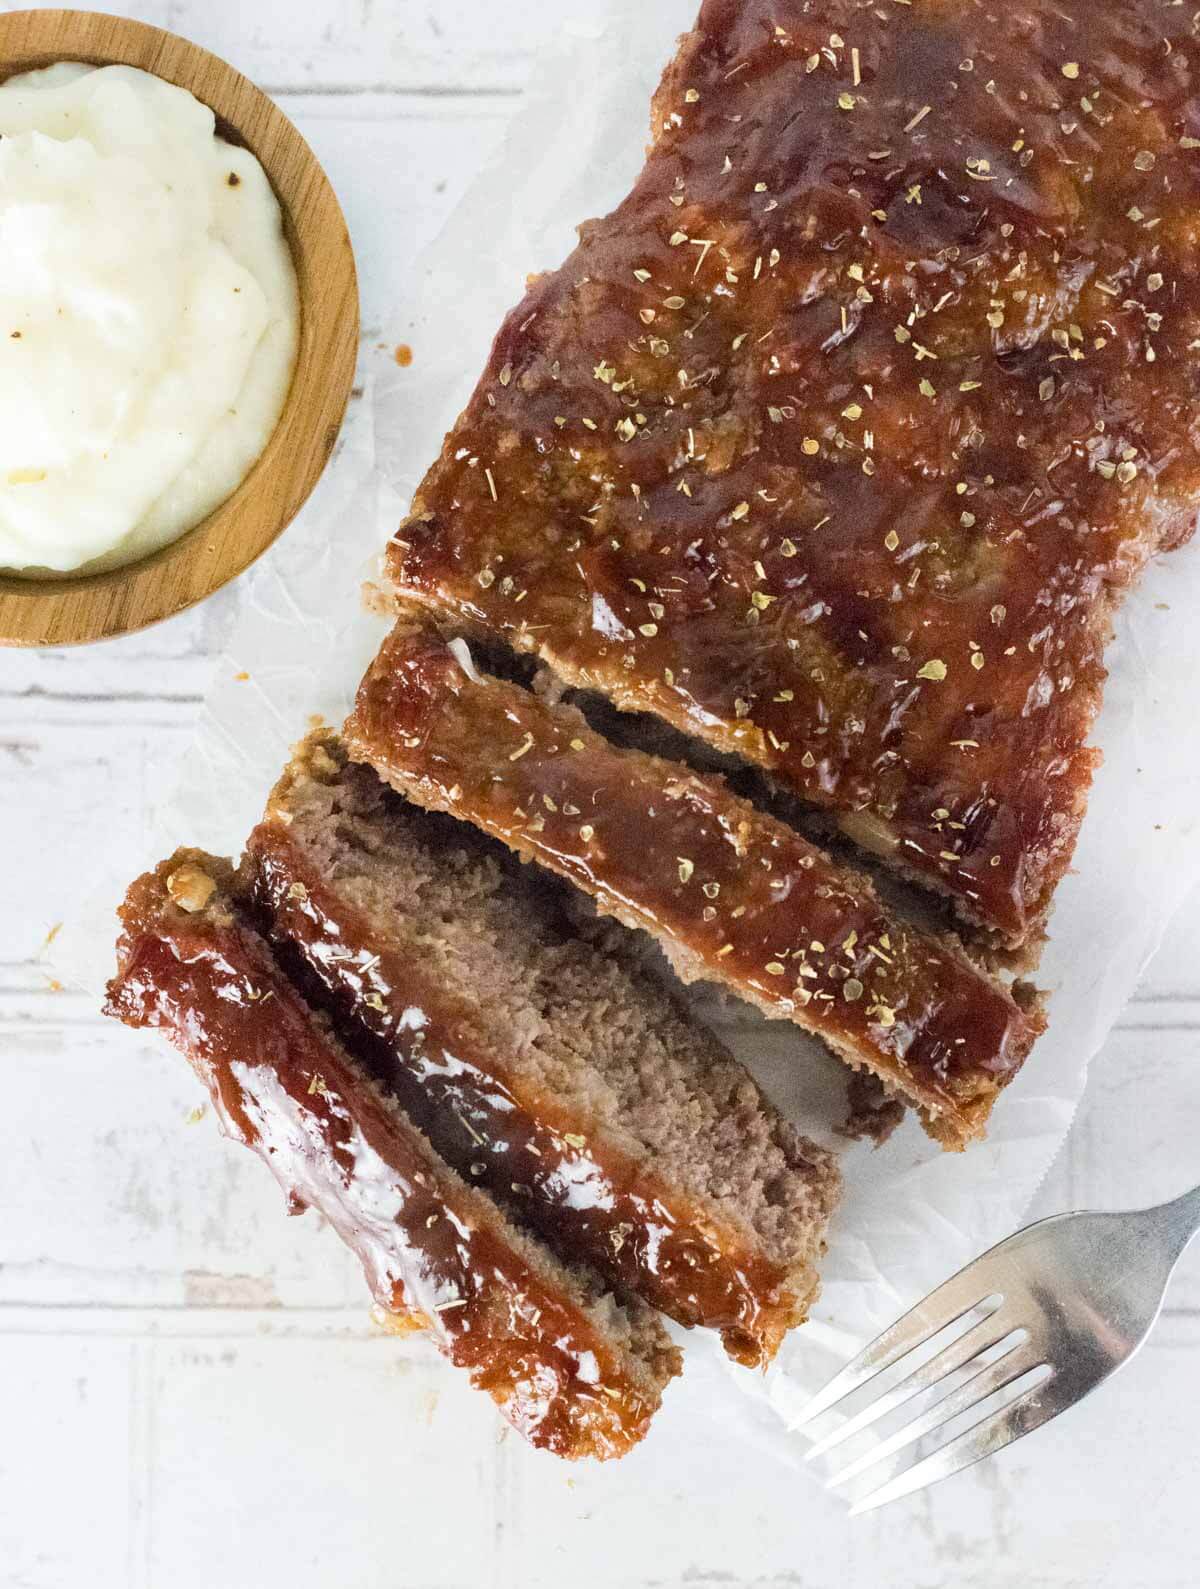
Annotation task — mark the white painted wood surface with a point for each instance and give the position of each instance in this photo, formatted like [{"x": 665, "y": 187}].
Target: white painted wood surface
[{"x": 190, "y": 1392}]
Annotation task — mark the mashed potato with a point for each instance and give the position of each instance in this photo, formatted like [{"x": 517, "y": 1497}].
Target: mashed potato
[{"x": 148, "y": 316}]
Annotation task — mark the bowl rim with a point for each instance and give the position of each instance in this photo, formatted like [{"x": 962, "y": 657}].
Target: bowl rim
[{"x": 69, "y": 610}]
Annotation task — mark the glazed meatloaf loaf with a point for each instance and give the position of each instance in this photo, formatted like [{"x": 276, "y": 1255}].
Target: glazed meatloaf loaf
[
  {"x": 574, "y": 1370},
  {"x": 541, "y": 1057},
  {"x": 837, "y": 442},
  {"x": 733, "y": 894}
]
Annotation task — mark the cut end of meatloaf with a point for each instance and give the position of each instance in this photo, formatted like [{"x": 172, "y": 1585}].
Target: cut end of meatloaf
[
  {"x": 627, "y": 1132},
  {"x": 732, "y": 893},
  {"x": 577, "y": 1372}
]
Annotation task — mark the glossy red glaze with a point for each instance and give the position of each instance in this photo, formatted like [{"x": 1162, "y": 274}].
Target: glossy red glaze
[
  {"x": 568, "y": 1178},
  {"x": 741, "y": 895},
  {"x": 836, "y": 441},
  {"x": 283, "y": 1085}
]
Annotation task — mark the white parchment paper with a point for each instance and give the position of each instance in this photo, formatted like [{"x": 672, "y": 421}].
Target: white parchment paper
[{"x": 911, "y": 1214}]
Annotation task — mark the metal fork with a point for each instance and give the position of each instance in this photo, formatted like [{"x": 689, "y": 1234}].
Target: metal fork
[{"x": 1038, "y": 1322}]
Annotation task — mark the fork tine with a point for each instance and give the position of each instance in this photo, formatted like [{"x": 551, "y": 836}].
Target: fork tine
[
  {"x": 941, "y": 1308},
  {"x": 994, "y": 1377},
  {"x": 964, "y": 1349},
  {"x": 992, "y": 1433}
]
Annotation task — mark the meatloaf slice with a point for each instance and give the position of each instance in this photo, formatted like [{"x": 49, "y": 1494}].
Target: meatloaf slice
[
  {"x": 573, "y": 1370},
  {"x": 732, "y": 894},
  {"x": 558, "y": 1072}
]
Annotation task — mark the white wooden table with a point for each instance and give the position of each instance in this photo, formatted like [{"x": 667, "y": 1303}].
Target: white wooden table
[{"x": 190, "y": 1393}]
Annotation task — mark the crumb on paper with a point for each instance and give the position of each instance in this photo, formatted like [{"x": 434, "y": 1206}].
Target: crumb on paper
[
  {"x": 240, "y": 678},
  {"x": 872, "y": 1111},
  {"x": 194, "y": 1116},
  {"x": 53, "y": 985},
  {"x": 51, "y": 936},
  {"x": 403, "y": 355},
  {"x": 316, "y": 720}
]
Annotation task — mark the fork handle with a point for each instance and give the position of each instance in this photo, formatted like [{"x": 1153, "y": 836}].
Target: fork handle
[{"x": 1181, "y": 1218}]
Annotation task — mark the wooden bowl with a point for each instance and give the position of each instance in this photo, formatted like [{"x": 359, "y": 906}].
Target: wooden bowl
[{"x": 66, "y": 611}]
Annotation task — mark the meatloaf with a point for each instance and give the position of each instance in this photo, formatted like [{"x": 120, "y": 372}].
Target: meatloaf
[
  {"x": 732, "y": 893},
  {"x": 543, "y": 1059},
  {"x": 574, "y": 1370},
  {"x": 836, "y": 443}
]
